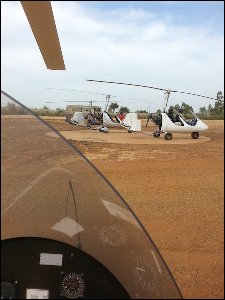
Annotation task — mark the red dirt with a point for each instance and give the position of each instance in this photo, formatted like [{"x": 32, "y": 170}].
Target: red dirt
[
  {"x": 177, "y": 191},
  {"x": 176, "y": 188}
]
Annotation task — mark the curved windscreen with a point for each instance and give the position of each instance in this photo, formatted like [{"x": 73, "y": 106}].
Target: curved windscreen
[{"x": 51, "y": 191}]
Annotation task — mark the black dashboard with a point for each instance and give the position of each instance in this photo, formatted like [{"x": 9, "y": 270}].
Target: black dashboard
[{"x": 36, "y": 268}]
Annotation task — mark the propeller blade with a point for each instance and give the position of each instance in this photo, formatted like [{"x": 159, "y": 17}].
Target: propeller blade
[
  {"x": 41, "y": 19},
  {"x": 76, "y": 91},
  {"x": 150, "y": 87},
  {"x": 82, "y": 101},
  {"x": 113, "y": 96},
  {"x": 65, "y": 101},
  {"x": 89, "y": 93},
  {"x": 73, "y": 101},
  {"x": 192, "y": 94}
]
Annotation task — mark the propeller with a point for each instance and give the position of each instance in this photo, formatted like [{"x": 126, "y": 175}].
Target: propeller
[
  {"x": 76, "y": 91},
  {"x": 150, "y": 87},
  {"x": 73, "y": 101},
  {"x": 134, "y": 99},
  {"x": 41, "y": 19},
  {"x": 87, "y": 92}
]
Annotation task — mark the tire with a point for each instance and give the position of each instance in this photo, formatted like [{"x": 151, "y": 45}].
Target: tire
[
  {"x": 130, "y": 131},
  {"x": 195, "y": 135},
  {"x": 156, "y": 134},
  {"x": 168, "y": 136}
]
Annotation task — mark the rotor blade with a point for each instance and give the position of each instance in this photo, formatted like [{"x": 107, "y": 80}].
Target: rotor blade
[
  {"x": 41, "y": 19},
  {"x": 150, "y": 87},
  {"x": 76, "y": 91},
  {"x": 74, "y": 101},
  {"x": 82, "y": 101},
  {"x": 192, "y": 94},
  {"x": 113, "y": 96},
  {"x": 89, "y": 93},
  {"x": 67, "y": 101}
]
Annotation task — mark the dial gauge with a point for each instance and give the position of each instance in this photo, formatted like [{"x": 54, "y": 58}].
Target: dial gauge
[{"x": 72, "y": 286}]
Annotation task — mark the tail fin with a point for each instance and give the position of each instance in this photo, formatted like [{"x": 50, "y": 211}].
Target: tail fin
[
  {"x": 131, "y": 121},
  {"x": 118, "y": 120}
]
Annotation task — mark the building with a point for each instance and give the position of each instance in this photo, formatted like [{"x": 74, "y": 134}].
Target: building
[{"x": 71, "y": 109}]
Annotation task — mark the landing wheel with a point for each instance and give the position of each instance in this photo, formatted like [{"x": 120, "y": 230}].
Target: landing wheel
[
  {"x": 156, "y": 134},
  {"x": 130, "y": 131},
  {"x": 104, "y": 130},
  {"x": 194, "y": 135},
  {"x": 168, "y": 136}
]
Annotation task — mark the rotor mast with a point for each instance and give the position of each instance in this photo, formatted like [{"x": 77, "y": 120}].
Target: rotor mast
[
  {"x": 166, "y": 98},
  {"x": 107, "y": 102},
  {"x": 90, "y": 106}
]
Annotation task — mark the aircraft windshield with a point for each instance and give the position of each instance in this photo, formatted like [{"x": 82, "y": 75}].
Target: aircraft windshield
[
  {"x": 51, "y": 191},
  {"x": 186, "y": 115}
]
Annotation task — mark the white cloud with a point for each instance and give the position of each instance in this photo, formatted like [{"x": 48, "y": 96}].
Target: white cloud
[{"x": 120, "y": 45}]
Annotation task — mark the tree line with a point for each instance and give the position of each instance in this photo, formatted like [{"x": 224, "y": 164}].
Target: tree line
[{"x": 215, "y": 111}]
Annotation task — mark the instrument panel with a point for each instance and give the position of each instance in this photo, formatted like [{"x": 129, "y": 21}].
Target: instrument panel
[{"x": 36, "y": 268}]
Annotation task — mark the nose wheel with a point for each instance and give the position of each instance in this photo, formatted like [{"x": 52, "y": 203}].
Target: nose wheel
[
  {"x": 195, "y": 135},
  {"x": 103, "y": 129}
]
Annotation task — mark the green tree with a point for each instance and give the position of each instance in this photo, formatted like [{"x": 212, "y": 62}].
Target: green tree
[
  {"x": 113, "y": 106},
  {"x": 124, "y": 109},
  {"x": 59, "y": 111},
  {"x": 142, "y": 111},
  {"x": 11, "y": 107},
  {"x": 177, "y": 107},
  {"x": 203, "y": 111},
  {"x": 219, "y": 106},
  {"x": 187, "y": 108},
  {"x": 97, "y": 109},
  {"x": 210, "y": 110}
]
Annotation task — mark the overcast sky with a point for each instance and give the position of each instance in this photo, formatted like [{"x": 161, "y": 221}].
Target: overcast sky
[{"x": 166, "y": 44}]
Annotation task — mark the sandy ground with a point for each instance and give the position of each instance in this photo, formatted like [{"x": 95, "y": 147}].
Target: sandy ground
[
  {"x": 176, "y": 189},
  {"x": 120, "y": 136}
]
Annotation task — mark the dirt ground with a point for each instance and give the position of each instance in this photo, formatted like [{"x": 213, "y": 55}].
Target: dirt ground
[{"x": 176, "y": 189}]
